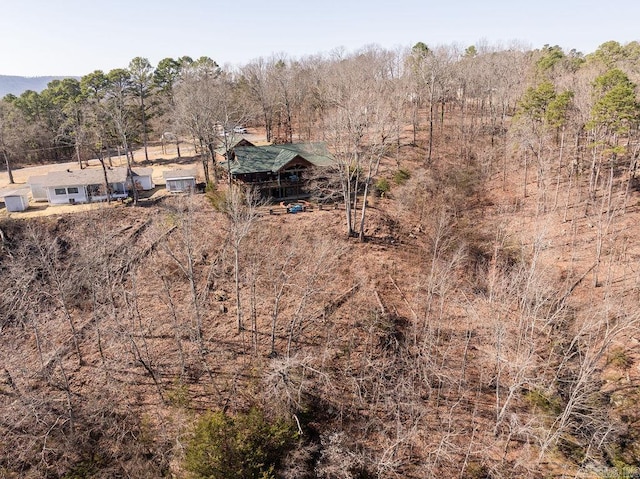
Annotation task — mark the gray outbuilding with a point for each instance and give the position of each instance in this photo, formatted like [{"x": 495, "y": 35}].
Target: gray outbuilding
[{"x": 16, "y": 201}]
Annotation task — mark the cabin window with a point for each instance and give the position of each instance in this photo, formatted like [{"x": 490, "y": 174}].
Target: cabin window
[
  {"x": 73, "y": 190},
  {"x": 60, "y": 191}
]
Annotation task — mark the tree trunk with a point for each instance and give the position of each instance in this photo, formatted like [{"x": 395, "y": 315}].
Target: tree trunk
[
  {"x": 592, "y": 177},
  {"x": 363, "y": 212},
  {"x": 78, "y": 155},
  {"x": 236, "y": 278},
  {"x": 144, "y": 127},
  {"x": 541, "y": 180},
  {"x": 274, "y": 318},
  {"x": 526, "y": 173},
  {"x": 415, "y": 121},
  {"x": 8, "y": 165},
  {"x": 194, "y": 294},
  {"x": 212, "y": 153},
  {"x": 74, "y": 333},
  {"x": 254, "y": 315},
  {"x": 373, "y": 170},
  {"x": 348, "y": 206},
  {"x": 442, "y": 106},
  {"x": 560, "y": 166},
  {"x": 354, "y": 208},
  {"x": 430, "y": 128},
  {"x": 130, "y": 171},
  {"x": 268, "y": 125},
  {"x": 106, "y": 179}
]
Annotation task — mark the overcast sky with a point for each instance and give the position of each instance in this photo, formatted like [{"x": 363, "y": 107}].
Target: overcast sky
[{"x": 76, "y": 37}]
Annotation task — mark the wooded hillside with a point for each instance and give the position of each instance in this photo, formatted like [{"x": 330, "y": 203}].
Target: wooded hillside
[{"x": 477, "y": 319}]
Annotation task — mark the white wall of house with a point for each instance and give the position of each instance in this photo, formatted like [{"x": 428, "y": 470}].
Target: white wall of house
[
  {"x": 63, "y": 195},
  {"x": 38, "y": 192},
  {"x": 16, "y": 202},
  {"x": 180, "y": 185},
  {"x": 145, "y": 182}
]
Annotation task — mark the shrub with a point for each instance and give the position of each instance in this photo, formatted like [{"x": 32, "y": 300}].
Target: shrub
[
  {"x": 620, "y": 359},
  {"x": 476, "y": 470},
  {"x": 178, "y": 395},
  {"x": 619, "y": 460},
  {"x": 245, "y": 446},
  {"x": 546, "y": 403},
  {"x": 217, "y": 198},
  {"x": 382, "y": 186},
  {"x": 401, "y": 176}
]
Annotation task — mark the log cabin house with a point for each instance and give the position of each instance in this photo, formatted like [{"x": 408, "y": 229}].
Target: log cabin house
[{"x": 277, "y": 171}]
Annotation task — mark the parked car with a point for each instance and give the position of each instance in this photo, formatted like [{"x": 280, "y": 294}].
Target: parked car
[{"x": 239, "y": 129}]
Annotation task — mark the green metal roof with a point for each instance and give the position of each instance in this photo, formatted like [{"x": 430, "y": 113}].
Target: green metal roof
[{"x": 273, "y": 158}]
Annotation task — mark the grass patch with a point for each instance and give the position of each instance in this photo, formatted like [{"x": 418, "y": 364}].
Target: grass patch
[
  {"x": 619, "y": 358},
  {"x": 178, "y": 395},
  {"x": 548, "y": 404},
  {"x": 401, "y": 176}
]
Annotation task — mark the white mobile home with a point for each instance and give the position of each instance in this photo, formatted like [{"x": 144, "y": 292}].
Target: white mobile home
[{"x": 89, "y": 185}]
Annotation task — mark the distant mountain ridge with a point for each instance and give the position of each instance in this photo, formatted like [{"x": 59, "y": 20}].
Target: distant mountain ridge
[{"x": 17, "y": 84}]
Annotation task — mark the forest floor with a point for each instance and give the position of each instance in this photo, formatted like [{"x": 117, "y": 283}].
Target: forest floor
[{"x": 362, "y": 304}]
